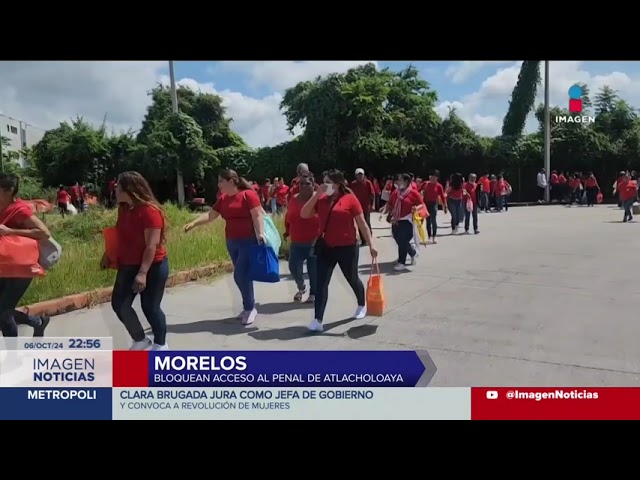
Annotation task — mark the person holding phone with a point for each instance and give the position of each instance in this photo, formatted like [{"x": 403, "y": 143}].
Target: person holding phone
[{"x": 337, "y": 208}]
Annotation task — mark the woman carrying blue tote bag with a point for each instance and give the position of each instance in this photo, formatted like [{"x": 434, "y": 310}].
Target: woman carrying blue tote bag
[{"x": 264, "y": 265}]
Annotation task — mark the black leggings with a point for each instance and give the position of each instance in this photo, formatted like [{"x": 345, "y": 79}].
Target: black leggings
[
  {"x": 347, "y": 259},
  {"x": 432, "y": 222}
]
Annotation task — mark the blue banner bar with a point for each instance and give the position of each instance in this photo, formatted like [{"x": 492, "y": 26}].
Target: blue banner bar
[
  {"x": 55, "y": 404},
  {"x": 285, "y": 369}
]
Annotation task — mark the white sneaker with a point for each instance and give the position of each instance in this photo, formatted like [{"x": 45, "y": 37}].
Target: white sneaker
[
  {"x": 249, "y": 317},
  {"x": 159, "y": 348},
  {"x": 414, "y": 259},
  {"x": 399, "y": 267},
  {"x": 142, "y": 345},
  {"x": 361, "y": 312},
  {"x": 454, "y": 231},
  {"x": 315, "y": 326}
]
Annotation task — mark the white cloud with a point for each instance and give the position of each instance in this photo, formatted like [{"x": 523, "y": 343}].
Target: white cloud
[
  {"x": 484, "y": 109},
  {"x": 281, "y": 75},
  {"x": 462, "y": 71},
  {"x": 46, "y": 93}
]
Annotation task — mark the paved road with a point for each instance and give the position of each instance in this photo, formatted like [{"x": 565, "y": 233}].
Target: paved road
[{"x": 543, "y": 296}]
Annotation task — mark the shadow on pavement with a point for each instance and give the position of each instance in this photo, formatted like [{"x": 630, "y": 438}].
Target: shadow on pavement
[
  {"x": 280, "y": 307},
  {"x": 224, "y": 326},
  {"x": 385, "y": 268},
  {"x": 299, "y": 331}
]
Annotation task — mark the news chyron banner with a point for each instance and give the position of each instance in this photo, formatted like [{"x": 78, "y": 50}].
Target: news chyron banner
[
  {"x": 56, "y": 378},
  {"x": 83, "y": 379},
  {"x": 279, "y": 385}
]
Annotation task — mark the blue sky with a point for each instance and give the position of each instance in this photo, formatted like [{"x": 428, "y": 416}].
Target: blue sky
[
  {"x": 46, "y": 93},
  {"x": 479, "y": 91}
]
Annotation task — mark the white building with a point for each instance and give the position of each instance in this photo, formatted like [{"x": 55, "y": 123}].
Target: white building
[{"x": 20, "y": 134}]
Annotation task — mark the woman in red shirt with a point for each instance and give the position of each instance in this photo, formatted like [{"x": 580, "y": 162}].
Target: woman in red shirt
[
  {"x": 240, "y": 207},
  {"x": 591, "y": 188},
  {"x": 455, "y": 193},
  {"x": 17, "y": 219},
  {"x": 471, "y": 187},
  {"x": 143, "y": 267},
  {"x": 302, "y": 234},
  {"x": 403, "y": 202},
  {"x": 62, "y": 198},
  {"x": 280, "y": 193},
  {"x": 628, "y": 194},
  {"x": 337, "y": 208},
  {"x": 432, "y": 191}
]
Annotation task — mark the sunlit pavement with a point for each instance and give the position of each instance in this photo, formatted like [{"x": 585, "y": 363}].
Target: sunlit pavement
[{"x": 542, "y": 296}]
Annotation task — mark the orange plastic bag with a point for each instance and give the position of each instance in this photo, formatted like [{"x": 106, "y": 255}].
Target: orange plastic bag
[
  {"x": 111, "y": 246},
  {"x": 599, "y": 197},
  {"x": 19, "y": 258},
  {"x": 376, "y": 300}
]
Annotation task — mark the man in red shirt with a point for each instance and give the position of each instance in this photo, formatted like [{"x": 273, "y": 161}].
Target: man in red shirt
[
  {"x": 471, "y": 187},
  {"x": 432, "y": 191},
  {"x": 301, "y": 170},
  {"x": 628, "y": 192},
  {"x": 366, "y": 195},
  {"x": 485, "y": 192}
]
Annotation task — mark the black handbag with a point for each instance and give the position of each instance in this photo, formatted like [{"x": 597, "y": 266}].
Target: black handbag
[{"x": 320, "y": 246}]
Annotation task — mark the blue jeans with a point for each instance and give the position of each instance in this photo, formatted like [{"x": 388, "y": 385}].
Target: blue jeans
[
  {"x": 298, "y": 254},
  {"x": 484, "y": 201},
  {"x": 628, "y": 205},
  {"x": 240, "y": 253},
  {"x": 11, "y": 292},
  {"x": 150, "y": 300},
  {"x": 274, "y": 206},
  {"x": 455, "y": 209}
]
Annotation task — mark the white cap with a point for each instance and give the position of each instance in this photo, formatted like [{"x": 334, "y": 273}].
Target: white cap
[{"x": 359, "y": 171}]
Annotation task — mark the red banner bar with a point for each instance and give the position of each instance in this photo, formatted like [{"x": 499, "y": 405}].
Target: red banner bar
[{"x": 555, "y": 403}]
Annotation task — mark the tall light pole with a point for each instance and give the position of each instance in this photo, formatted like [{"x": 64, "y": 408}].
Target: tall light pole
[
  {"x": 547, "y": 131},
  {"x": 174, "y": 105}
]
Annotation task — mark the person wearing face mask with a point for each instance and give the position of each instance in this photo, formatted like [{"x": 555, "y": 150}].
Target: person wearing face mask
[
  {"x": 337, "y": 208},
  {"x": 403, "y": 202}
]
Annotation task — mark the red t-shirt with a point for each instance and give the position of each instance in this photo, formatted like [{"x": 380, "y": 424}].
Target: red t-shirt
[
  {"x": 554, "y": 179},
  {"x": 471, "y": 189},
  {"x": 628, "y": 190},
  {"x": 300, "y": 230},
  {"x": 433, "y": 191},
  {"x": 456, "y": 194},
  {"x": 265, "y": 191},
  {"x": 75, "y": 192},
  {"x": 16, "y": 214},
  {"x": 414, "y": 185},
  {"x": 131, "y": 224},
  {"x": 63, "y": 196},
  {"x": 236, "y": 211},
  {"x": 562, "y": 179},
  {"x": 340, "y": 230},
  {"x": 486, "y": 184},
  {"x": 574, "y": 183},
  {"x": 376, "y": 186},
  {"x": 280, "y": 192},
  {"x": 364, "y": 192},
  {"x": 591, "y": 182},
  {"x": 413, "y": 199}
]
